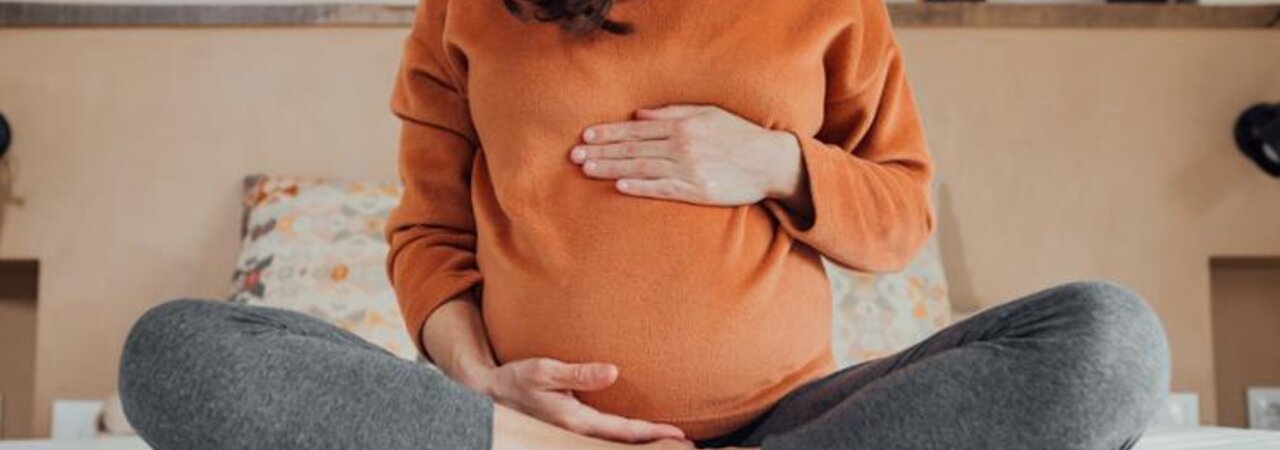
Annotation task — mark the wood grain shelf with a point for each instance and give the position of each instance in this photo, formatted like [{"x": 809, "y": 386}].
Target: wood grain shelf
[
  {"x": 1246, "y": 261},
  {"x": 1126, "y": 15}
]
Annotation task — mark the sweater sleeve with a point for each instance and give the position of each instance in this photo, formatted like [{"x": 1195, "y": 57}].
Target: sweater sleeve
[
  {"x": 431, "y": 232},
  {"x": 868, "y": 168}
]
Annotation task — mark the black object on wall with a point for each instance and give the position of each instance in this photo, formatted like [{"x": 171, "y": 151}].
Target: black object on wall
[
  {"x": 5, "y": 136},
  {"x": 1258, "y": 136}
]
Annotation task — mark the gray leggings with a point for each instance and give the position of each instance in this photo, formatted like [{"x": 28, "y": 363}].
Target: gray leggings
[{"x": 1078, "y": 366}]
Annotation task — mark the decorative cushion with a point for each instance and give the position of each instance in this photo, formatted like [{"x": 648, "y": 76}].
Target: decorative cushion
[
  {"x": 317, "y": 246},
  {"x": 877, "y": 315}
]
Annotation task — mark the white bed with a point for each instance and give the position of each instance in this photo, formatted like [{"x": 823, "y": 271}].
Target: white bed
[
  {"x": 113, "y": 443},
  {"x": 1162, "y": 438},
  {"x": 1170, "y": 438}
]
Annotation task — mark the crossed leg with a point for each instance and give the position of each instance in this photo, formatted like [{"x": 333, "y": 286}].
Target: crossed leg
[{"x": 1078, "y": 366}]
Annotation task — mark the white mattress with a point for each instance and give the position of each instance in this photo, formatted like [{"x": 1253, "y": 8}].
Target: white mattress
[
  {"x": 1159, "y": 438},
  {"x": 1203, "y": 438},
  {"x": 115, "y": 443}
]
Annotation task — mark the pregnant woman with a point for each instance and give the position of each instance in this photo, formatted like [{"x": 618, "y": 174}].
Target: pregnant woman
[{"x": 610, "y": 237}]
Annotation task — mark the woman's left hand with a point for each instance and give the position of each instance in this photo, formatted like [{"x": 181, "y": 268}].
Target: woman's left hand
[{"x": 694, "y": 153}]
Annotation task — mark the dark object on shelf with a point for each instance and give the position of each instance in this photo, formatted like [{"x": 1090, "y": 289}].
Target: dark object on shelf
[
  {"x": 1258, "y": 136},
  {"x": 1139, "y": 1},
  {"x": 5, "y": 136}
]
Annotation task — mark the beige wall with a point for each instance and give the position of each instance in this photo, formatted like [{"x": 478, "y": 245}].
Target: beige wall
[
  {"x": 130, "y": 147},
  {"x": 1067, "y": 154},
  {"x": 1087, "y": 153},
  {"x": 1246, "y": 308}
]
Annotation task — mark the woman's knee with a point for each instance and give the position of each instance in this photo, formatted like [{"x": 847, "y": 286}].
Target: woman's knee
[
  {"x": 1110, "y": 317},
  {"x": 161, "y": 348},
  {"x": 1116, "y": 343},
  {"x": 162, "y": 327}
]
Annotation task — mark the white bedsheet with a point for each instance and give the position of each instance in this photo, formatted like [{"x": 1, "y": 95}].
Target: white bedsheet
[
  {"x": 114, "y": 443},
  {"x": 1203, "y": 438}
]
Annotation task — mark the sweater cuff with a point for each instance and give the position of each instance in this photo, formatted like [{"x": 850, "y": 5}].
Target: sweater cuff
[
  {"x": 429, "y": 298},
  {"x": 818, "y": 166}
]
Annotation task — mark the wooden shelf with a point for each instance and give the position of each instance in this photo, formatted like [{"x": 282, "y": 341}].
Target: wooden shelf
[
  {"x": 1246, "y": 262},
  {"x": 1124, "y": 15},
  {"x": 904, "y": 15}
]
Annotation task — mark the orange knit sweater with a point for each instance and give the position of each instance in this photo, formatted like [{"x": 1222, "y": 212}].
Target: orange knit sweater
[{"x": 711, "y": 313}]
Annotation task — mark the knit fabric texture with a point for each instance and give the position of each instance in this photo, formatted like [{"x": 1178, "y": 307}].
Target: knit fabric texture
[{"x": 711, "y": 313}]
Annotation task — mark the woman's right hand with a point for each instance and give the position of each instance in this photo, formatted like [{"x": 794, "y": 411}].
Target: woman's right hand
[{"x": 544, "y": 387}]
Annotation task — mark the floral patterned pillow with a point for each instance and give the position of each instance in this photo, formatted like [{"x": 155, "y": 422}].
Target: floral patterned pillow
[
  {"x": 877, "y": 315},
  {"x": 317, "y": 246}
]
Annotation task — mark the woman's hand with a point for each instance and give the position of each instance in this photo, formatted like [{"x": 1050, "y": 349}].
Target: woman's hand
[
  {"x": 543, "y": 388},
  {"x": 694, "y": 153}
]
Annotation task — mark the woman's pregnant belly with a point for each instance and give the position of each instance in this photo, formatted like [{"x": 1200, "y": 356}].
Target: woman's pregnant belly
[{"x": 710, "y": 313}]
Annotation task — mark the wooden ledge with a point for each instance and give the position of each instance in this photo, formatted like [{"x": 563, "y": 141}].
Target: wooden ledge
[
  {"x": 1115, "y": 15},
  {"x": 904, "y": 15},
  {"x": 1245, "y": 262},
  {"x": 161, "y": 15}
]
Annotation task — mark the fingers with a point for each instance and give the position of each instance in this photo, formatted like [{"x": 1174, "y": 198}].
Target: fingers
[
  {"x": 655, "y": 123},
  {"x": 632, "y": 130},
  {"x": 665, "y": 188},
  {"x": 630, "y": 168},
  {"x": 625, "y": 150},
  {"x": 591, "y": 422},
  {"x": 546, "y": 373},
  {"x": 617, "y": 428},
  {"x": 544, "y": 382}
]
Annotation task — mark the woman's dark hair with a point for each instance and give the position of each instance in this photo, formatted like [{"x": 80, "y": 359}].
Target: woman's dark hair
[{"x": 572, "y": 15}]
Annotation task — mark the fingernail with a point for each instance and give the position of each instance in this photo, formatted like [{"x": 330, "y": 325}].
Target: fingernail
[
  {"x": 590, "y": 166},
  {"x": 589, "y": 134},
  {"x": 624, "y": 185},
  {"x": 578, "y": 154}
]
